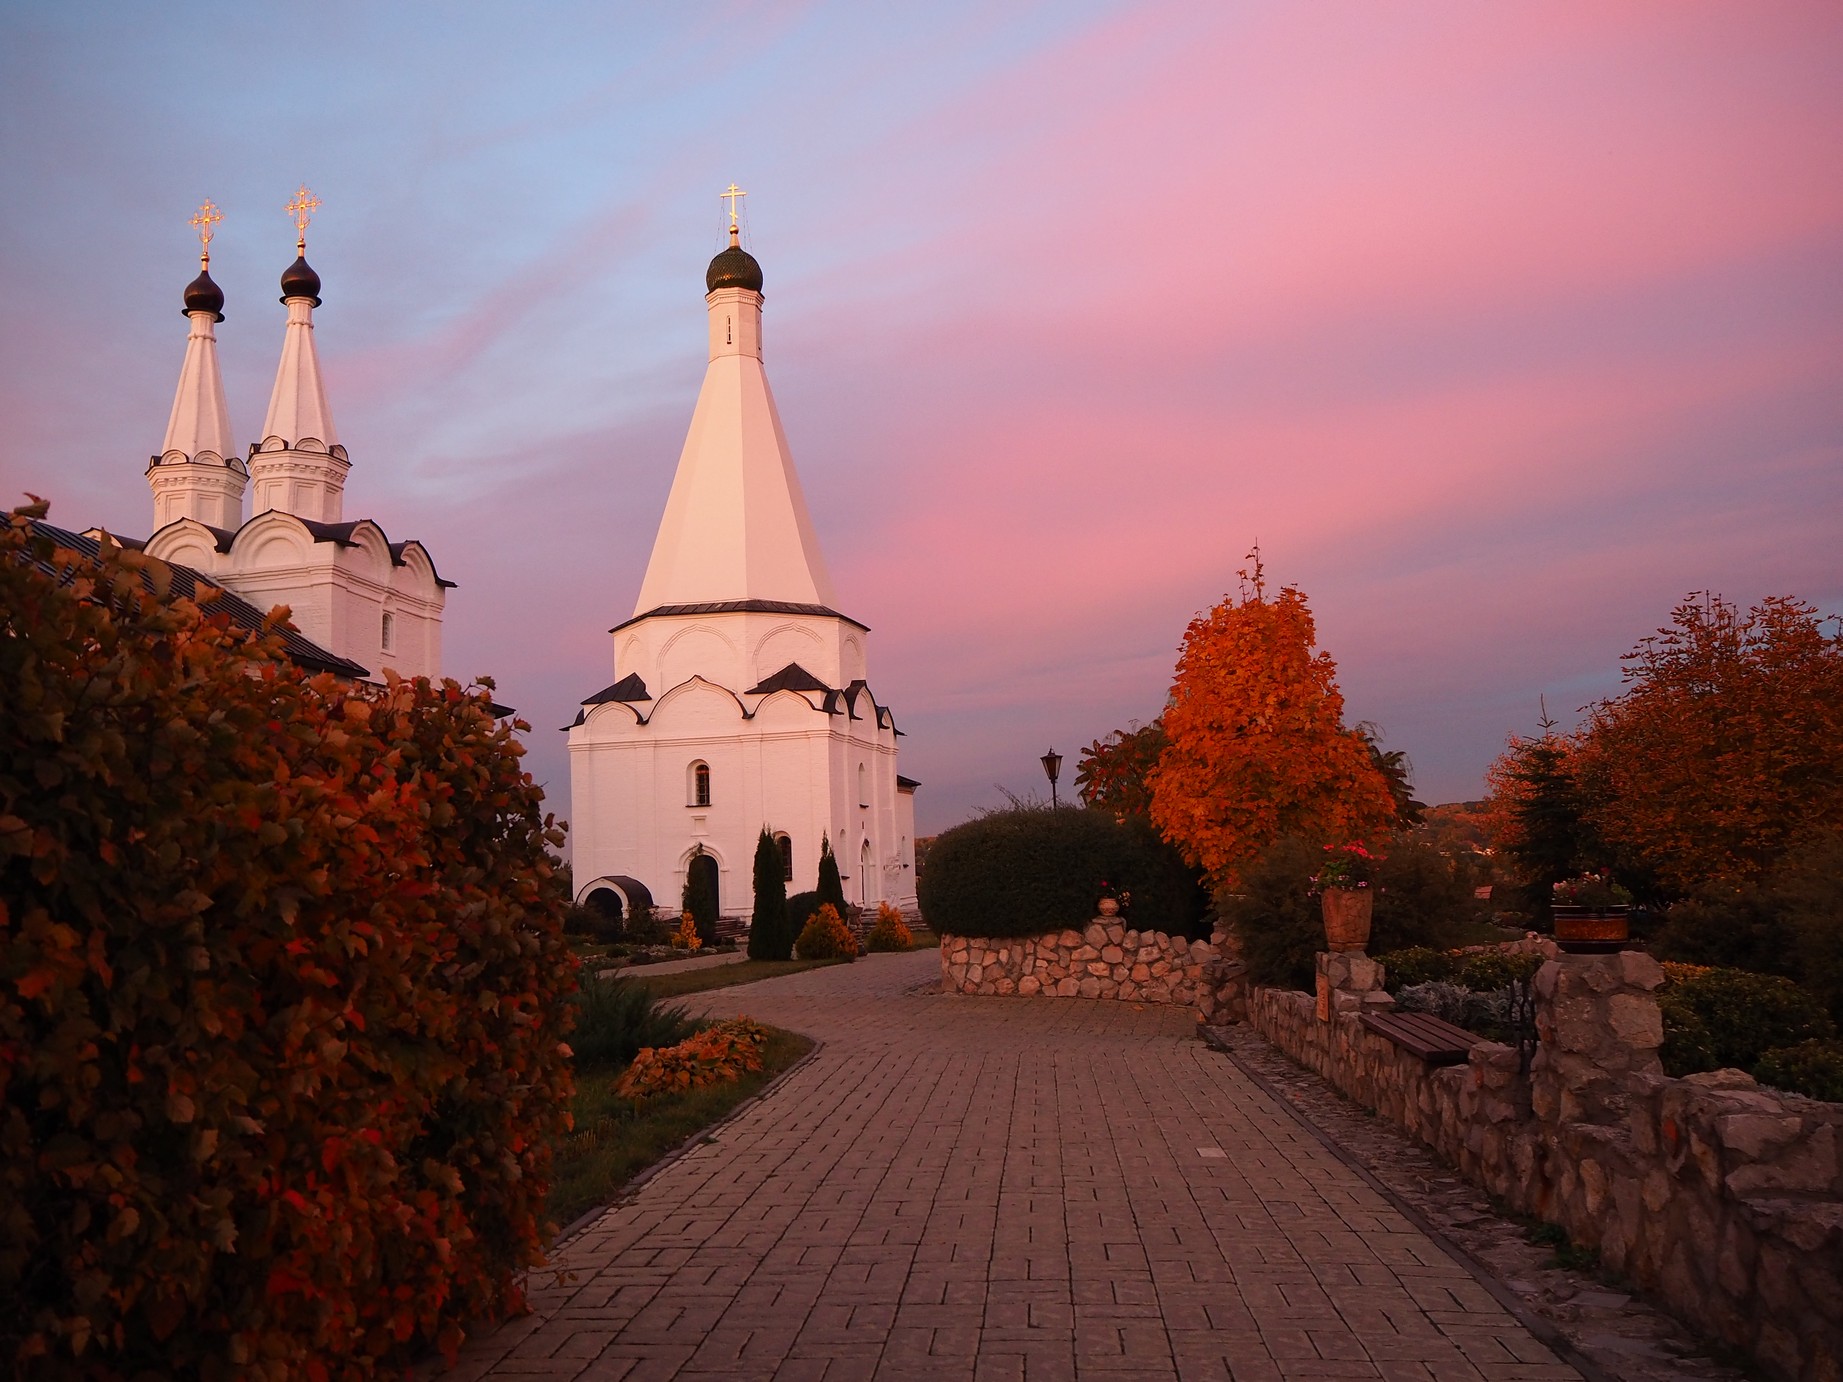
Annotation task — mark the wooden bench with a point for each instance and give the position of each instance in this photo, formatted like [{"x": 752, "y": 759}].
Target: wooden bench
[{"x": 1421, "y": 1034}]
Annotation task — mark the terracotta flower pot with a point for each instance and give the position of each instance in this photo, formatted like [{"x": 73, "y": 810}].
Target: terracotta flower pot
[
  {"x": 1110, "y": 906},
  {"x": 1592, "y": 930},
  {"x": 1347, "y": 913}
]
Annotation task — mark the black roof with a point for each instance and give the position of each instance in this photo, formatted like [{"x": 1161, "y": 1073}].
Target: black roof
[
  {"x": 906, "y": 784},
  {"x": 300, "y": 281},
  {"x": 202, "y": 295},
  {"x": 742, "y": 607},
  {"x": 628, "y": 688},
  {"x": 792, "y": 677},
  {"x": 301, "y": 651}
]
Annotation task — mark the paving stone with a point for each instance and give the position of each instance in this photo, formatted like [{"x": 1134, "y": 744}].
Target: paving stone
[{"x": 1003, "y": 1189}]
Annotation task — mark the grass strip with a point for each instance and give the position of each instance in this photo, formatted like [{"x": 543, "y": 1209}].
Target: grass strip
[
  {"x": 613, "y": 1142},
  {"x": 683, "y": 981}
]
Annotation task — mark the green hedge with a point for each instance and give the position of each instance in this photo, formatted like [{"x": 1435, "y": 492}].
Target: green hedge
[
  {"x": 1422, "y": 899},
  {"x": 283, "y": 995},
  {"x": 1730, "y": 1018},
  {"x": 1031, "y": 870}
]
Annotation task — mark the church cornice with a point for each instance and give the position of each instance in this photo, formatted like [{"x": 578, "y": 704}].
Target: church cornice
[{"x": 739, "y": 607}]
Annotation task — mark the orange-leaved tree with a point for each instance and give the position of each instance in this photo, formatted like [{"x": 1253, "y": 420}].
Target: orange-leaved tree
[
  {"x": 1726, "y": 746},
  {"x": 1257, "y": 746}
]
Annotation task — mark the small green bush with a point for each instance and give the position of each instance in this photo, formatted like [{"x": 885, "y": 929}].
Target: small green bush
[
  {"x": 891, "y": 933},
  {"x": 1030, "y": 870},
  {"x": 1488, "y": 971},
  {"x": 1729, "y": 1018},
  {"x": 616, "y": 1017},
  {"x": 1418, "y": 964},
  {"x": 1813, "y": 1068}
]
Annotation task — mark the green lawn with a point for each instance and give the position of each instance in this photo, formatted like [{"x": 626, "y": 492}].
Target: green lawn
[
  {"x": 680, "y": 982},
  {"x": 612, "y": 1143}
]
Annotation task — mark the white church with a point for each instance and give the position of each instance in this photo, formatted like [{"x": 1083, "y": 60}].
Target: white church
[
  {"x": 369, "y": 602},
  {"x": 741, "y": 697}
]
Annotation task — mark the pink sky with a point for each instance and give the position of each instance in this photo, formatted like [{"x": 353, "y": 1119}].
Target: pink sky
[{"x": 1500, "y": 327}]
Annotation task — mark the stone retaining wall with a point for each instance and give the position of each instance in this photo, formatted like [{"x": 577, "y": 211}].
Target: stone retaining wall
[
  {"x": 1108, "y": 959},
  {"x": 1723, "y": 1198}
]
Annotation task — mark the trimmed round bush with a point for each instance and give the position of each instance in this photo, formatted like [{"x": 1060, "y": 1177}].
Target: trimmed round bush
[
  {"x": 1031, "y": 870},
  {"x": 1730, "y": 1018}
]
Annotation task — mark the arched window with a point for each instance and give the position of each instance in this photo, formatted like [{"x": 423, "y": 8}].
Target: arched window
[
  {"x": 863, "y": 785},
  {"x": 700, "y": 784},
  {"x": 387, "y": 631},
  {"x": 786, "y": 845}
]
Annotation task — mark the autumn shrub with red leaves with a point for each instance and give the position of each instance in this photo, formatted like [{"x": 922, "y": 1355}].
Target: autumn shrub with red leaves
[{"x": 281, "y": 994}]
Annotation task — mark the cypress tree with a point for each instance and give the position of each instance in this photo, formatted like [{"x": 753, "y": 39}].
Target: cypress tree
[
  {"x": 700, "y": 899},
  {"x": 770, "y": 937},
  {"x": 830, "y": 888}
]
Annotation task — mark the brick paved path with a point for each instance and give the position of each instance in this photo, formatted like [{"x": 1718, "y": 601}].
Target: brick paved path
[{"x": 1004, "y": 1188}]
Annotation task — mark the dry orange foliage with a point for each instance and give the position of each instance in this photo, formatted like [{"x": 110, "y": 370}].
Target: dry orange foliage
[
  {"x": 1257, "y": 743},
  {"x": 1727, "y": 745}
]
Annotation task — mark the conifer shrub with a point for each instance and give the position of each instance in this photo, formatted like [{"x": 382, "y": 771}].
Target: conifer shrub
[
  {"x": 771, "y": 937},
  {"x": 1028, "y": 871},
  {"x": 831, "y": 888},
  {"x": 890, "y": 933},
  {"x": 826, "y": 937},
  {"x": 616, "y": 1017},
  {"x": 283, "y": 994}
]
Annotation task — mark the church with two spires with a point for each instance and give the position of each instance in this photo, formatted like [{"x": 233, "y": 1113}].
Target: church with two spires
[
  {"x": 741, "y": 698},
  {"x": 360, "y": 602}
]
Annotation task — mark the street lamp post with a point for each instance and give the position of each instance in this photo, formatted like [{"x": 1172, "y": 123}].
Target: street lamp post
[{"x": 1052, "y": 765}]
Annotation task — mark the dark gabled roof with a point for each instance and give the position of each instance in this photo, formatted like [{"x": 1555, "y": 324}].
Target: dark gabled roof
[
  {"x": 628, "y": 688},
  {"x": 792, "y": 677},
  {"x": 906, "y": 784},
  {"x": 301, "y": 651},
  {"x": 341, "y": 533},
  {"x": 742, "y": 607}
]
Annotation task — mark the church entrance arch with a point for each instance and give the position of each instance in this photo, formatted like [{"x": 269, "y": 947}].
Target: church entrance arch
[
  {"x": 704, "y": 864},
  {"x": 616, "y": 896}
]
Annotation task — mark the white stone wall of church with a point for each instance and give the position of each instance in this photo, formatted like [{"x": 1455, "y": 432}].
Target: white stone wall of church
[{"x": 631, "y": 789}]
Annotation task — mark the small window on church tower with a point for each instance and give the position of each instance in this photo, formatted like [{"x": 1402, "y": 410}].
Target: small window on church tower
[
  {"x": 786, "y": 846},
  {"x": 729, "y": 331},
  {"x": 388, "y": 632},
  {"x": 700, "y": 784},
  {"x": 863, "y": 785}
]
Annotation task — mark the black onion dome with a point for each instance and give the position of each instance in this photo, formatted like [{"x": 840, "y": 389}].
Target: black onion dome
[
  {"x": 734, "y": 268},
  {"x": 202, "y": 295},
  {"x": 300, "y": 281}
]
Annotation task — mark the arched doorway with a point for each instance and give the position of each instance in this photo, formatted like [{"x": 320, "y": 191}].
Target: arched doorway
[
  {"x": 702, "y": 874},
  {"x": 867, "y": 870},
  {"x": 607, "y": 905}
]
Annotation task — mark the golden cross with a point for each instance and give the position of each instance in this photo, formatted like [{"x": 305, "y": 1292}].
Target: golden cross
[
  {"x": 204, "y": 222},
  {"x": 730, "y": 195},
  {"x": 302, "y": 206}
]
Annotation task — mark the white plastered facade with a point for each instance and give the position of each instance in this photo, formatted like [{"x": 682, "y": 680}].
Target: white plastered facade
[
  {"x": 348, "y": 587},
  {"x": 737, "y": 662}
]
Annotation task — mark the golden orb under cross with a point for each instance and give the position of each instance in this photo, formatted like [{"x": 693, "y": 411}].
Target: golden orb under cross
[
  {"x": 205, "y": 221},
  {"x": 301, "y": 206}
]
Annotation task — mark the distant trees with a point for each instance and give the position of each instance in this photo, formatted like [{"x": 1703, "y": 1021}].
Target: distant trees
[
  {"x": 1724, "y": 752},
  {"x": 1257, "y": 748}
]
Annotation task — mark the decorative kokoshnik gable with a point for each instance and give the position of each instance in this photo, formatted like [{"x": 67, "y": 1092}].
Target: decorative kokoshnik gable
[
  {"x": 366, "y": 601},
  {"x": 741, "y": 697}
]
